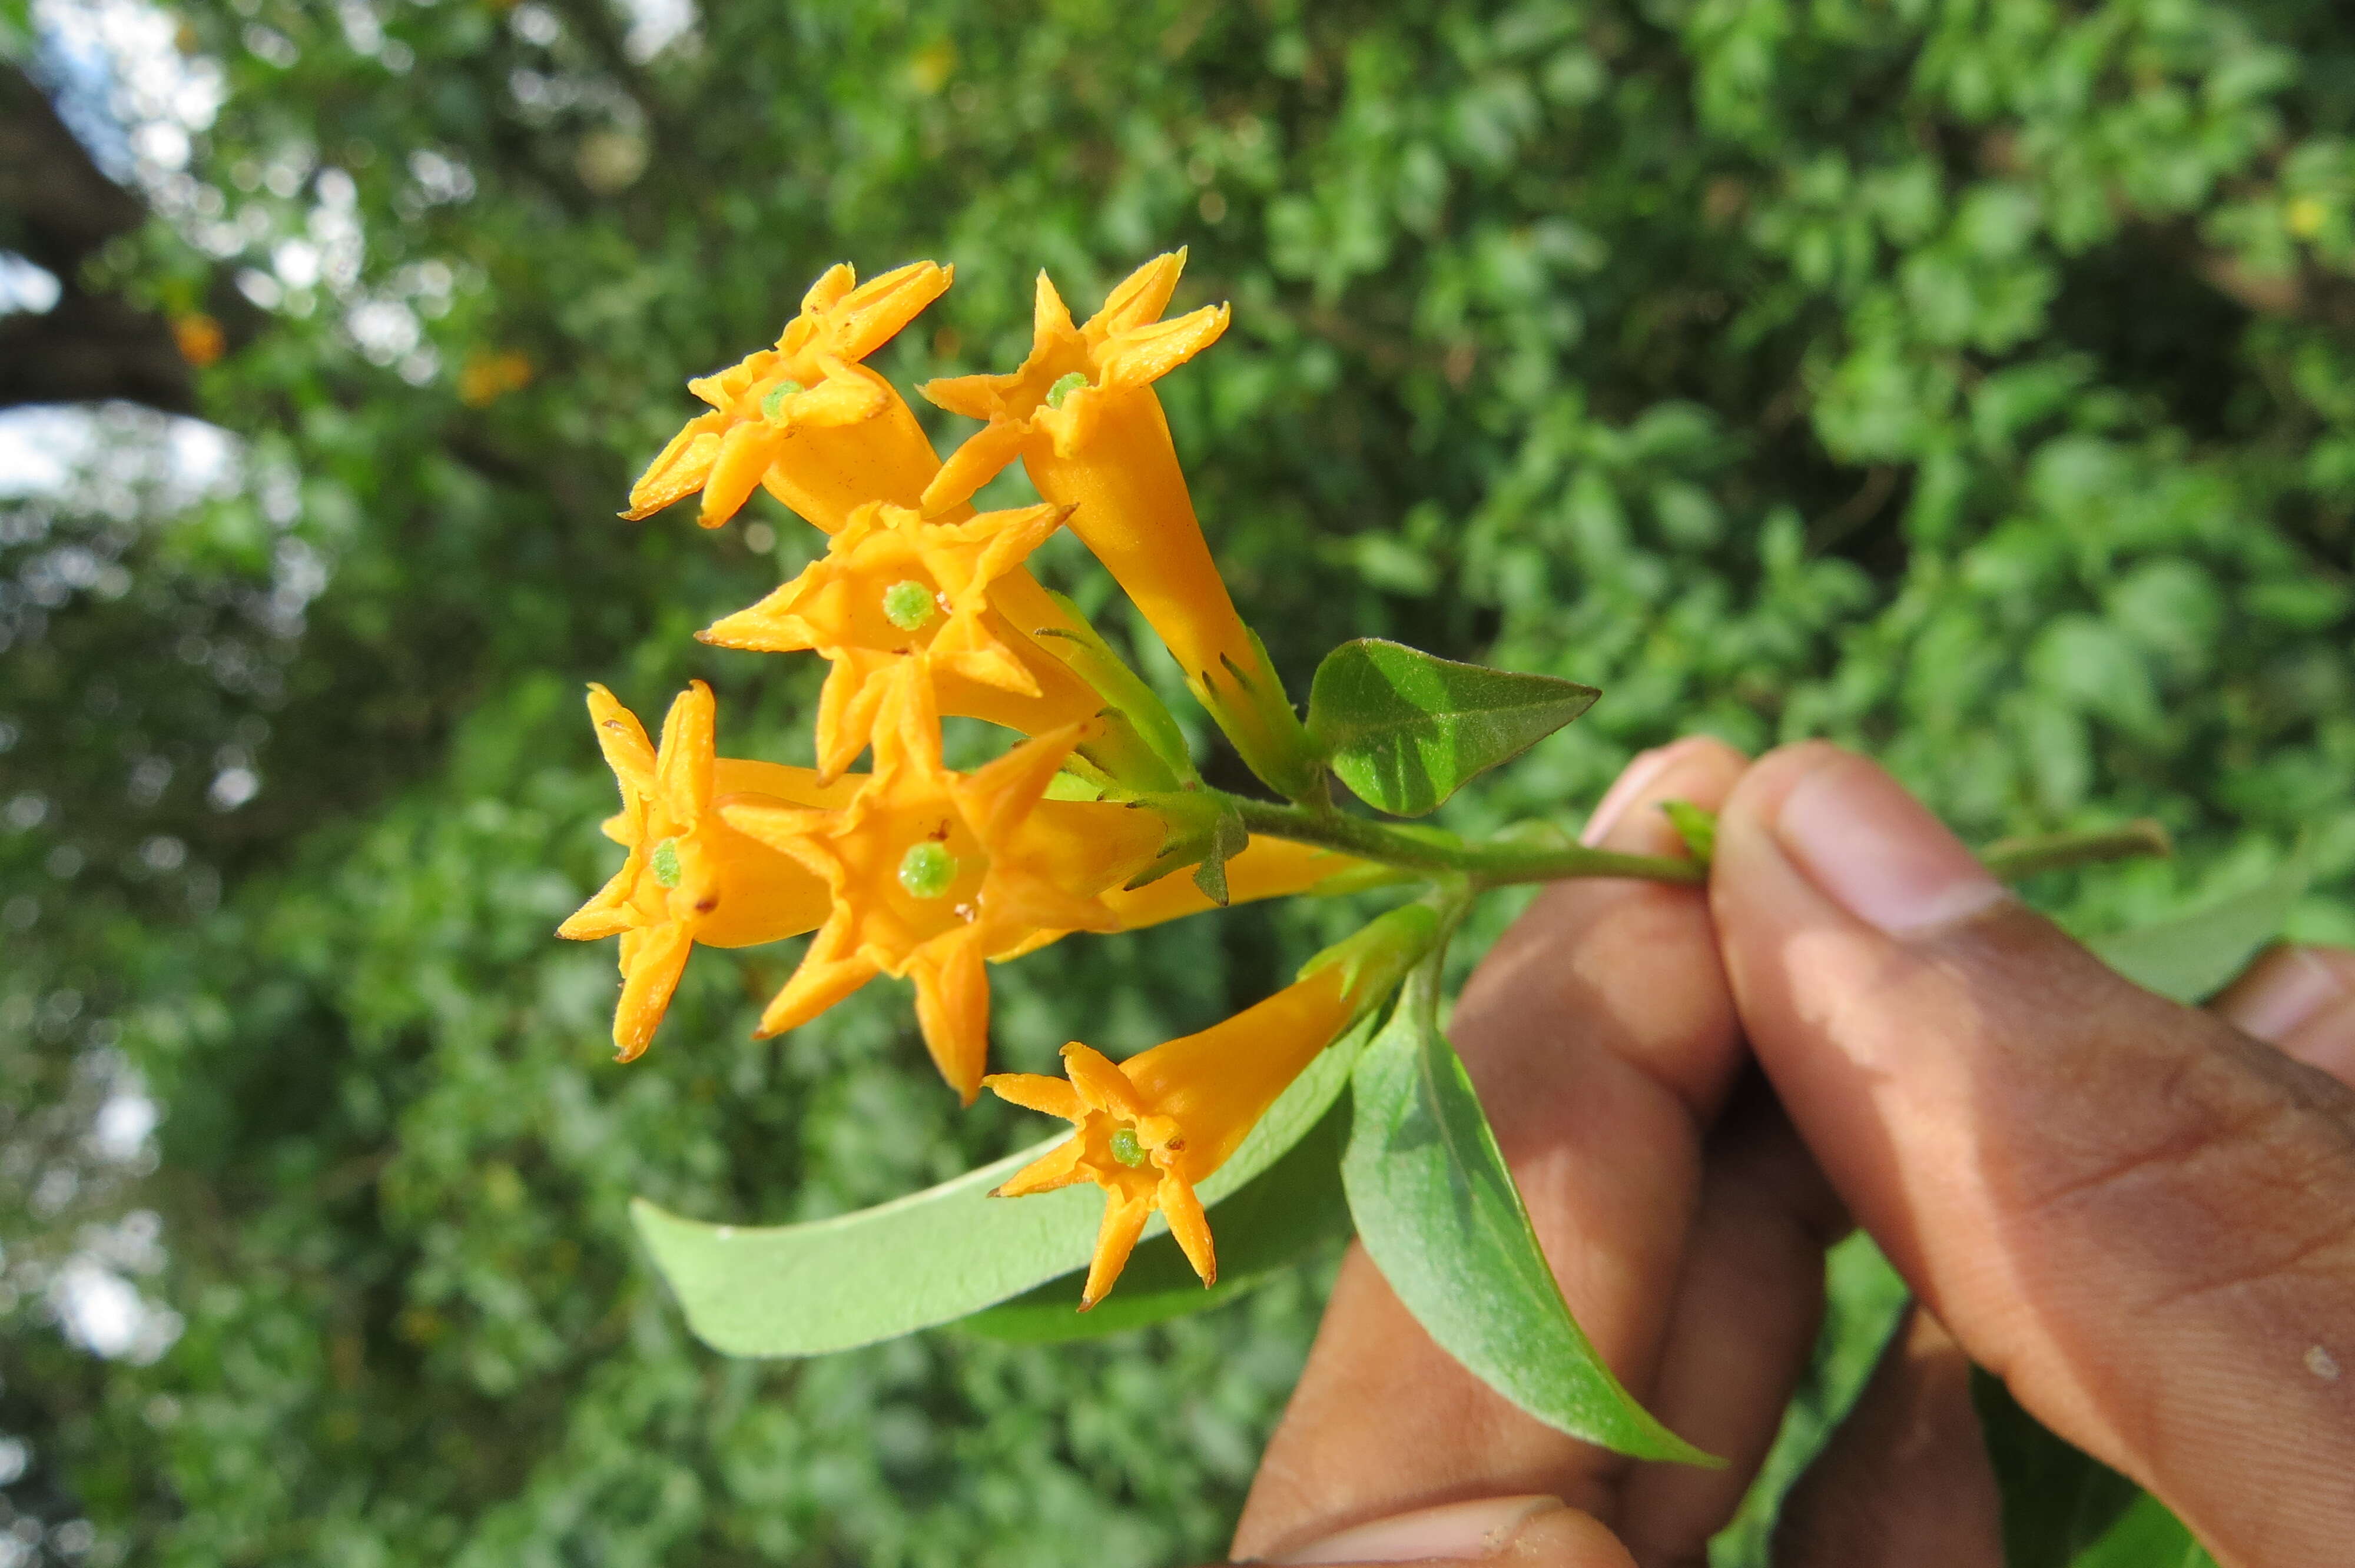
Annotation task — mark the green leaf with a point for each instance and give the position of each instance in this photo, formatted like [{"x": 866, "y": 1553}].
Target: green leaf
[
  {"x": 2192, "y": 959},
  {"x": 1440, "y": 1215},
  {"x": 1405, "y": 730},
  {"x": 2056, "y": 1501},
  {"x": 930, "y": 1257},
  {"x": 1294, "y": 1207},
  {"x": 2146, "y": 1536},
  {"x": 1696, "y": 826}
]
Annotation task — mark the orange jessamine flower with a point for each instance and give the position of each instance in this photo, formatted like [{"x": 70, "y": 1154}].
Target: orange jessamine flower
[
  {"x": 933, "y": 872},
  {"x": 689, "y": 876},
  {"x": 822, "y": 431},
  {"x": 1082, "y": 415},
  {"x": 894, "y": 591},
  {"x": 1151, "y": 1129}
]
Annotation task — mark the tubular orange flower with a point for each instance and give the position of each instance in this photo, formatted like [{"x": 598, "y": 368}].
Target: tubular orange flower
[
  {"x": 822, "y": 431},
  {"x": 1153, "y": 1128},
  {"x": 933, "y": 872},
  {"x": 1082, "y": 415},
  {"x": 894, "y": 591},
  {"x": 689, "y": 876}
]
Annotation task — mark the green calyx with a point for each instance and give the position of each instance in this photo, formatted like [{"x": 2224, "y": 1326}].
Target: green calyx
[
  {"x": 665, "y": 861},
  {"x": 909, "y": 605},
  {"x": 1125, "y": 1148},
  {"x": 927, "y": 870},
  {"x": 1065, "y": 387},
  {"x": 773, "y": 404}
]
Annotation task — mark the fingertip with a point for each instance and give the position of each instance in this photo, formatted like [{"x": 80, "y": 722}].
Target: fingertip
[
  {"x": 1699, "y": 768},
  {"x": 2299, "y": 999}
]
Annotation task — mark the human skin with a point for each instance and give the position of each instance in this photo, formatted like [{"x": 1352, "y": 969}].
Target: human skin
[{"x": 2140, "y": 1216}]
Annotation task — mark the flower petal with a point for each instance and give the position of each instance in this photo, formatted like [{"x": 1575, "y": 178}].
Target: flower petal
[
  {"x": 1038, "y": 1092},
  {"x": 1137, "y": 358},
  {"x": 1059, "y": 1166},
  {"x": 680, "y": 467},
  {"x": 1188, "y": 1226},
  {"x": 623, "y": 741},
  {"x": 1123, "y": 1222},
  {"x": 952, "y": 1010},
  {"x": 1140, "y": 297},
  {"x": 652, "y": 960},
  {"x": 817, "y": 985},
  {"x": 1101, "y": 1083},
  {"x": 872, "y": 314},
  {"x": 745, "y": 452},
  {"x": 683, "y": 770},
  {"x": 981, "y": 459}
]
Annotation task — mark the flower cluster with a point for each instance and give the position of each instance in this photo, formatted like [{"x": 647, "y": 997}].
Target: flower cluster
[{"x": 923, "y": 606}]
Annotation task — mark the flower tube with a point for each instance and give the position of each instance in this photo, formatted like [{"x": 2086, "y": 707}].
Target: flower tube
[
  {"x": 689, "y": 876},
  {"x": 1151, "y": 1129},
  {"x": 1082, "y": 415}
]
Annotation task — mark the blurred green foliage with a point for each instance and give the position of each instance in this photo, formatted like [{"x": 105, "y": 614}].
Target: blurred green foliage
[{"x": 1971, "y": 381}]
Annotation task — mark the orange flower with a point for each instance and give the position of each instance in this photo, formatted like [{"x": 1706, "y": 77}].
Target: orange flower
[
  {"x": 1082, "y": 415},
  {"x": 894, "y": 591},
  {"x": 822, "y": 431},
  {"x": 933, "y": 872},
  {"x": 1153, "y": 1128},
  {"x": 689, "y": 876}
]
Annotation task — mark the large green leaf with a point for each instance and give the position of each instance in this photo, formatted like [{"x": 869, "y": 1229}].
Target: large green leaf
[
  {"x": 1292, "y": 1207},
  {"x": 930, "y": 1257},
  {"x": 2193, "y": 958},
  {"x": 1440, "y": 1215},
  {"x": 1405, "y": 730}
]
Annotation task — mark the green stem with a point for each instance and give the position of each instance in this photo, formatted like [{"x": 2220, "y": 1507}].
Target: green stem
[
  {"x": 2013, "y": 859},
  {"x": 1431, "y": 851}
]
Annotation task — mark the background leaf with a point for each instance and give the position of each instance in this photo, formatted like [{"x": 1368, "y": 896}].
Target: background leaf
[
  {"x": 1405, "y": 729},
  {"x": 1441, "y": 1217},
  {"x": 928, "y": 1258},
  {"x": 2057, "y": 1501},
  {"x": 2193, "y": 959},
  {"x": 1292, "y": 1208}
]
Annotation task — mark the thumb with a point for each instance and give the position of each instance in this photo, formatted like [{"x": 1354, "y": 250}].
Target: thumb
[{"x": 2141, "y": 1219}]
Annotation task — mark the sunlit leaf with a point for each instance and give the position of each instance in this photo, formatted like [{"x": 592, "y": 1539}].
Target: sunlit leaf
[
  {"x": 1405, "y": 729},
  {"x": 2193, "y": 958},
  {"x": 1440, "y": 1215}
]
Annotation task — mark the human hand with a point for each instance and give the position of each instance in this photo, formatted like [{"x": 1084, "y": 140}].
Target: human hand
[{"x": 2141, "y": 1218}]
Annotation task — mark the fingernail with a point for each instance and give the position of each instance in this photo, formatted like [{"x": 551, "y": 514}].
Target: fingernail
[
  {"x": 1873, "y": 847},
  {"x": 1451, "y": 1532},
  {"x": 2289, "y": 990}
]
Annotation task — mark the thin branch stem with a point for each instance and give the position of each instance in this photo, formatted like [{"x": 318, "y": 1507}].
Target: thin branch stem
[
  {"x": 1431, "y": 851},
  {"x": 2014, "y": 859}
]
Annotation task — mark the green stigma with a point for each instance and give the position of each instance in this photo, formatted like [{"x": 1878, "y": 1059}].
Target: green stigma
[
  {"x": 665, "y": 860},
  {"x": 927, "y": 870},
  {"x": 908, "y": 605},
  {"x": 1127, "y": 1149},
  {"x": 1065, "y": 387},
  {"x": 773, "y": 404}
]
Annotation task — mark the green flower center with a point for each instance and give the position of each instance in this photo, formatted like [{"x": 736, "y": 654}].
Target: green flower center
[
  {"x": 665, "y": 861},
  {"x": 1127, "y": 1149},
  {"x": 773, "y": 406},
  {"x": 1065, "y": 387},
  {"x": 927, "y": 870},
  {"x": 908, "y": 605}
]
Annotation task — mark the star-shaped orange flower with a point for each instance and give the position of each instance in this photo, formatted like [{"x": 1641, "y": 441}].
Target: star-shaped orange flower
[
  {"x": 933, "y": 872},
  {"x": 1082, "y": 415},
  {"x": 689, "y": 876},
  {"x": 1152, "y": 1128},
  {"x": 806, "y": 419},
  {"x": 892, "y": 591}
]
